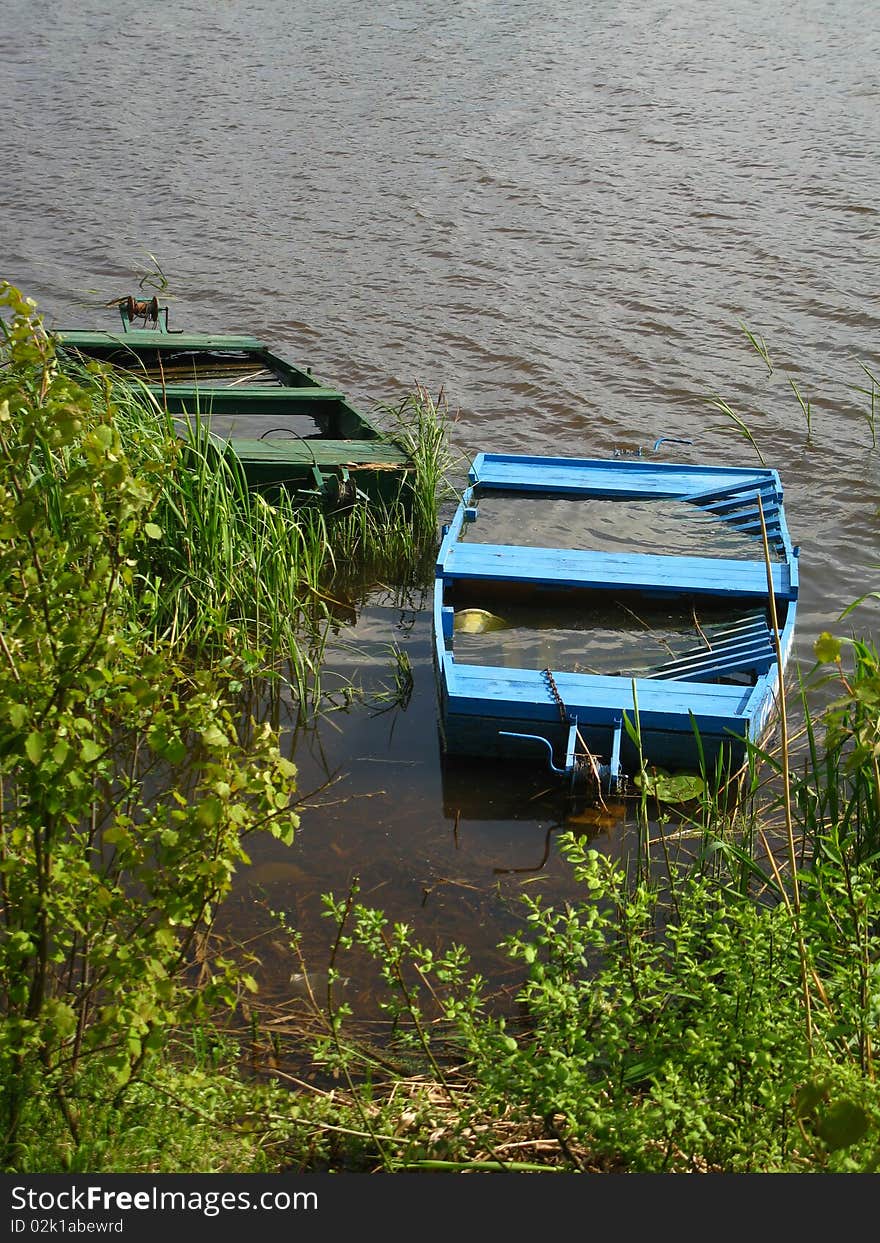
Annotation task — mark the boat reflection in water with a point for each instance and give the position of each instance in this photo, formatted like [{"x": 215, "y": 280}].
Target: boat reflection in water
[{"x": 511, "y": 821}]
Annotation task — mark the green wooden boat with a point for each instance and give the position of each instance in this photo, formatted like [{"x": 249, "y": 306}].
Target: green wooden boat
[{"x": 300, "y": 435}]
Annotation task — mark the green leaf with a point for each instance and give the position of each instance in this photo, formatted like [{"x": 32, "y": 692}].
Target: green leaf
[
  {"x": 152, "y": 531},
  {"x": 827, "y": 648},
  {"x": 90, "y": 751},
  {"x": 26, "y": 516},
  {"x": 843, "y": 1125},
  {"x": 670, "y": 789},
  {"x": 34, "y": 746},
  {"x": 809, "y": 1096},
  {"x": 214, "y": 737},
  {"x": 209, "y": 812}
]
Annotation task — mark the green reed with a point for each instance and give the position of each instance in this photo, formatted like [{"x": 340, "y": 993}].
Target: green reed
[
  {"x": 759, "y": 345},
  {"x": 740, "y": 427},
  {"x": 420, "y": 426},
  {"x": 225, "y": 569},
  {"x": 839, "y": 788},
  {"x": 871, "y": 394},
  {"x": 225, "y": 565},
  {"x": 805, "y": 405}
]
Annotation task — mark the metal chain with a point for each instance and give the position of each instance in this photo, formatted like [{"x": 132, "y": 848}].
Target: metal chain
[
  {"x": 585, "y": 764},
  {"x": 554, "y": 691}
]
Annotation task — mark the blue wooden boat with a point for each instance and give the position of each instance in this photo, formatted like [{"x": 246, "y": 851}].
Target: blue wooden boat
[{"x": 571, "y": 594}]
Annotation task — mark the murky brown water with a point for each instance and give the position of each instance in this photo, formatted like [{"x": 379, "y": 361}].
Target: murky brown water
[{"x": 560, "y": 213}]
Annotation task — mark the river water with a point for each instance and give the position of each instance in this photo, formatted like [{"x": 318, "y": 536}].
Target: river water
[{"x": 565, "y": 215}]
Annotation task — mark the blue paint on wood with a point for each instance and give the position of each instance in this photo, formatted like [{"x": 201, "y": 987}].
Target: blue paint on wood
[
  {"x": 574, "y": 567},
  {"x": 602, "y": 477},
  {"x": 724, "y": 692}
]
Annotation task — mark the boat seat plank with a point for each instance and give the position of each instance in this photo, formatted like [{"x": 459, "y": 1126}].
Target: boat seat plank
[
  {"x": 751, "y": 634},
  {"x": 747, "y": 506},
  {"x": 757, "y": 656},
  {"x": 290, "y": 451},
  {"x": 488, "y": 690},
  {"x": 555, "y": 567},
  {"x": 748, "y": 631},
  {"x": 270, "y": 398},
  {"x": 138, "y": 338},
  {"x": 719, "y": 500},
  {"x": 734, "y": 493},
  {"x": 625, "y": 478},
  {"x": 774, "y": 531}
]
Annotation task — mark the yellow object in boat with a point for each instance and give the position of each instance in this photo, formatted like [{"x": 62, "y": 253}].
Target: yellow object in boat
[{"x": 478, "y": 621}]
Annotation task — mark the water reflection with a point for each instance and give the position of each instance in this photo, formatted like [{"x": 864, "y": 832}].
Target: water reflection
[{"x": 445, "y": 845}]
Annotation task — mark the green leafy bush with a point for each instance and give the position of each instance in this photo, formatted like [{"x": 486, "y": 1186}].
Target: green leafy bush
[{"x": 126, "y": 795}]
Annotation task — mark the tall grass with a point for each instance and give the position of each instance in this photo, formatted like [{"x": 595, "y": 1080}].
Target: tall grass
[
  {"x": 222, "y": 569},
  {"x": 420, "y": 425}
]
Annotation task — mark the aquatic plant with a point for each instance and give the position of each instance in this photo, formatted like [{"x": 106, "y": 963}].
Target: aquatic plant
[
  {"x": 420, "y": 424},
  {"x": 224, "y": 569},
  {"x": 805, "y": 407},
  {"x": 740, "y": 426},
  {"x": 871, "y": 394},
  {"x": 759, "y": 345}
]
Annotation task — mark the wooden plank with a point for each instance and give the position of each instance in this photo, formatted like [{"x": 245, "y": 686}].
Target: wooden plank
[
  {"x": 774, "y": 530},
  {"x": 600, "y": 477},
  {"x": 712, "y": 495},
  {"x": 293, "y": 452},
  {"x": 147, "y": 339},
  {"x": 757, "y": 656},
  {"x": 211, "y": 399},
  {"x": 558, "y": 567},
  {"x": 739, "y": 504},
  {"x": 481, "y": 690},
  {"x": 731, "y": 640},
  {"x": 751, "y": 517},
  {"x": 746, "y": 641},
  {"x": 337, "y": 416}
]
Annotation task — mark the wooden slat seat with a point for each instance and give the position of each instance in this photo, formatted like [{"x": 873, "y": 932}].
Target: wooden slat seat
[
  {"x": 746, "y": 646},
  {"x": 754, "y": 656},
  {"x": 316, "y": 451},
  {"x": 623, "y": 477},
  {"x": 557, "y": 567},
  {"x": 212, "y": 400},
  {"x": 735, "y": 493},
  {"x": 482, "y": 690}
]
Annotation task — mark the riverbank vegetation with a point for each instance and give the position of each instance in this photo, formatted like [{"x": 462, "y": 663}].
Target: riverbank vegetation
[{"x": 710, "y": 1009}]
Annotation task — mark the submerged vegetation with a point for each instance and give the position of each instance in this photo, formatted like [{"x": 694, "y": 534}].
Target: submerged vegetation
[{"x": 714, "y": 1009}]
